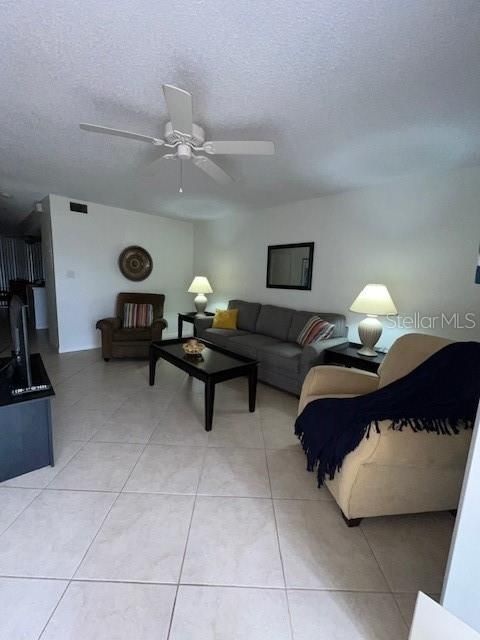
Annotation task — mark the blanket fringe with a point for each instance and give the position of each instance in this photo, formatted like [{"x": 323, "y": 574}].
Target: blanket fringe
[{"x": 440, "y": 426}]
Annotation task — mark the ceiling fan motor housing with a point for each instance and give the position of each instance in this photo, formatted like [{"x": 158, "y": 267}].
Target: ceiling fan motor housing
[{"x": 196, "y": 138}]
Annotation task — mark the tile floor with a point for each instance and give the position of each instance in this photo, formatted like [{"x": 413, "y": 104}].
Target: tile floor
[{"x": 150, "y": 528}]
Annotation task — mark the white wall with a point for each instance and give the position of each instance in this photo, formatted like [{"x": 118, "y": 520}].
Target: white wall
[
  {"x": 418, "y": 236},
  {"x": 431, "y": 621},
  {"x": 87, "y": 277},
  {"x": 461, "y": 591}
]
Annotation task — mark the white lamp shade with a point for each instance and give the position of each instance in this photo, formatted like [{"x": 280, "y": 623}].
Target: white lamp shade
[
  {"x": 374, "y": 300},
  {"x": 200, "y": 284}
]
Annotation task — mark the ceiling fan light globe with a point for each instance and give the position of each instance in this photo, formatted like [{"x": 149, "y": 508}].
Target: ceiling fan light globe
[{"x": 184, "y": 151}]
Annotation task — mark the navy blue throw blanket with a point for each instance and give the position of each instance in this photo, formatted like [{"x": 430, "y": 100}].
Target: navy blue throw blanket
[{"x": 440, "y": 395}]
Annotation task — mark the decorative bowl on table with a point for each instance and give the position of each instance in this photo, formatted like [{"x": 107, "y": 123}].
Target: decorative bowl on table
[{"x": 193, "y": 349}]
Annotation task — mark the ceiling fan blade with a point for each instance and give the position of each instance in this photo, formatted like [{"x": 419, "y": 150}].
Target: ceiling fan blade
[
  {"x": 212, "y": 169},
  {"x": 246, "y": 147},
  {"x": 121, "y": 134},
  {"x": 152, "y": 168},
  {"x": 180, "y": 108}
]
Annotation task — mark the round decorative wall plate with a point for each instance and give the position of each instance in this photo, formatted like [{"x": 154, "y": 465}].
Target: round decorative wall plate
[{"x": 135, "y": 263}]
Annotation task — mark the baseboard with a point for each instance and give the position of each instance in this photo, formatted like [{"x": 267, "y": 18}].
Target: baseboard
[{"x": 90, "y": 347}]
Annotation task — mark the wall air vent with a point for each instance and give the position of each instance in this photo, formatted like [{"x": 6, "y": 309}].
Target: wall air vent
[{"x": 77, "y": 207}]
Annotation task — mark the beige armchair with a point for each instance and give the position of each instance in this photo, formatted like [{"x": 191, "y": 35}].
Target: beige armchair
[{"x": 392, "y": 472}]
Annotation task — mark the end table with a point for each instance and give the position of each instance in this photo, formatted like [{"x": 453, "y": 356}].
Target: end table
[
  {"x": 346, "y": 355},
  {"x": 189, "y": 316}
]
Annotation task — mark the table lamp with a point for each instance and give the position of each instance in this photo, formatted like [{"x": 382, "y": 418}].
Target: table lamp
[
  {"x": 374, "y": 300},
  {"x": 200, "y": 286}
]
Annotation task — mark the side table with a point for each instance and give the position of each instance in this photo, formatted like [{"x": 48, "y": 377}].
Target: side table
[
  {"x": 346, "y": 355},
  {"x": 189, "y": 316}
]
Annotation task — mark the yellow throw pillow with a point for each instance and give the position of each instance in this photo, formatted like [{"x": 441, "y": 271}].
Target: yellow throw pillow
[{"x": 225, "y": 319}]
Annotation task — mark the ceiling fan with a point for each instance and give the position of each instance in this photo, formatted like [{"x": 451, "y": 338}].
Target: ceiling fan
[{"x": 187, "y": 138}]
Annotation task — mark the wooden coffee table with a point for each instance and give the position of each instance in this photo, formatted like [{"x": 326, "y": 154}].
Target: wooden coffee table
[{"x": 216, "y": 365}]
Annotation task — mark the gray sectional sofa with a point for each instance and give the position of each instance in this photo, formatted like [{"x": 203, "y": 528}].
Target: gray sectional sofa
[{"x": 268, "y": 333}]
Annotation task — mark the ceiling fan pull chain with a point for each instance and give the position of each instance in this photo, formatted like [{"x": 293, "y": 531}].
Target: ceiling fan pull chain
[{"x": 180, "y": 189}]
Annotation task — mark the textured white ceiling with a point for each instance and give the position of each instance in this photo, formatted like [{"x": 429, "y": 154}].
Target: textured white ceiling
[{"x": 353, "y": 92}]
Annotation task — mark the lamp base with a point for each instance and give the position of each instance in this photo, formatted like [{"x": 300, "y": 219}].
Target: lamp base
[
  {"x": 366, "y": 351},
  {"x": 200, "y": 303},
  {"x": 369, "y": 331}
]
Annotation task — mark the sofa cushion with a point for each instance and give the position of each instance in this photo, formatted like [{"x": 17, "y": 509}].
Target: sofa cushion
[
  {"x": 132, "y": 335},
  {"x": 250, "y": 344},
  {"x": 300, "y": 318},
  {"x": 222, "y": 336},
  {"x": 282, "y": 355},
  {"x": 247, "y": 314},
  {"x": 274, "y": 321}
]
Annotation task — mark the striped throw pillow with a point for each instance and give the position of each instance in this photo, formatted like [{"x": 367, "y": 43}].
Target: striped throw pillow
[
  {"x": 136, "y": 316},
  {"x": 314, "y": 330}
]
